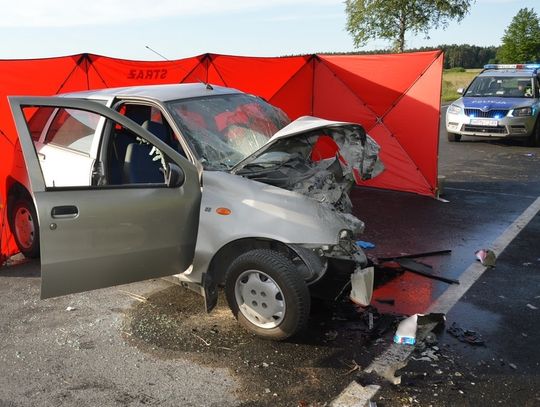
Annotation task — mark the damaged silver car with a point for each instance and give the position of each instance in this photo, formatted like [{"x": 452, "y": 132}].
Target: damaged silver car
[{"x": 207, "y": 185}]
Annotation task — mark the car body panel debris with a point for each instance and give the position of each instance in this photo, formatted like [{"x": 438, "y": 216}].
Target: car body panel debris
[{"x": 486, "y": 257}]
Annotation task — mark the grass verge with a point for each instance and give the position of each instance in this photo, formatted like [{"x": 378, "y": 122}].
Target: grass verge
[{"x": 453, "y": 79}]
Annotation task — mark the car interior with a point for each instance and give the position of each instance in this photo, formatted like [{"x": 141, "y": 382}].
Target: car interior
[{"x": 131, "y": 160}]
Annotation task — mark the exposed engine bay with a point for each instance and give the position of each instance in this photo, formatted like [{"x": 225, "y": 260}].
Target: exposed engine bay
[{"x": 322, "y": 164}]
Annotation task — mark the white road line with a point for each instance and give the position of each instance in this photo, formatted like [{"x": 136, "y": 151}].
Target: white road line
[
  {"x": 355, "y": 395},
  {"x": 453, "y": 293},
  {"x": 396, "y": 355},
  {"x": 476, "y": 191}
]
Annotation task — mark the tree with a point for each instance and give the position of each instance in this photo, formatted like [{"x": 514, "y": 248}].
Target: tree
[
  {"x": 391, "y": 19},
  {"x": 521, "y": 40}
]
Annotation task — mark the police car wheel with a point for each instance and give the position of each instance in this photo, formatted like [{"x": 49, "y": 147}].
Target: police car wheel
[
  {"x": 454, "y": 137},
  {"x": 535, "y": 136}
]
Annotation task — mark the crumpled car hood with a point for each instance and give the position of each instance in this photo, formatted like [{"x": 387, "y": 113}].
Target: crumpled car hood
[
  {"x": 318, "y": 158},
  {"x": 360, "y": 151}
]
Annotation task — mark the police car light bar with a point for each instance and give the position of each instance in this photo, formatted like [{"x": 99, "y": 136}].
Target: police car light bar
[{"x": 512, "y": 66}]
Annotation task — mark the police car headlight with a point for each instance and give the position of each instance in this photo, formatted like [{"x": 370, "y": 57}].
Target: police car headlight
[
  {"x": 454, "y": 109},
  {"x": 522, "y": 111}
]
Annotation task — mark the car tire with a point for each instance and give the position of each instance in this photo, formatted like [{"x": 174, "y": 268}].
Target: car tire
[
  {"x": 24, "y": 225},
  {"x": 267, "y": 295},
  {"x": 534, "y": 138},
  {"x": 453, "y": 137}
]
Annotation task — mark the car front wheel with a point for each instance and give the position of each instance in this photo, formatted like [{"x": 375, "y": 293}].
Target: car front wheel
[
  {"x": 534, "y": 138},
  {"x": 25, "y": 227},
  {"x": 267, "y": 295}
]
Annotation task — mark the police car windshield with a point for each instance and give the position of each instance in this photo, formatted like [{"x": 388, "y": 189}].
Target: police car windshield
[{"x": 501, "y": 86}]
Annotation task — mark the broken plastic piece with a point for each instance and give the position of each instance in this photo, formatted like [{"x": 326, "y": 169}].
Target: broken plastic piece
[
  {"x": 465, "y": 335},
  {"x": 487, "y": 257},
  {"x": 362, "y": 286},
  {"x": 436, "y": 318},
  {"x": 406, "y": 331},
  {"x": 365, "y": 245}
]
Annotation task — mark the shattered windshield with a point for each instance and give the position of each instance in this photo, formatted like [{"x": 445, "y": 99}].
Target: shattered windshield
[
  {"x": 501, "y": 86},
  {"x": 223, "y": 130}
]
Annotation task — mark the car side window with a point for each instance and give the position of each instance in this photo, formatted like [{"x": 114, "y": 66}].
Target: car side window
[
  {"x": 130, "y": 160},
  {"x": 73, "y": 129},
  {"x": 151, "y": 118}
]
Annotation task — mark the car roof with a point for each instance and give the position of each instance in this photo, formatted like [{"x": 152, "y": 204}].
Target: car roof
[
  {"x": 161, "y": 93},
  {"x": 509, "y": 72}
]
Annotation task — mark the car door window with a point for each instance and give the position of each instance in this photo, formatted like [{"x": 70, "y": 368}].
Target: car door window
[
  {"x": 130, "y": 159},
  {"x": 151, "y": 118},
  {"x": 37, "y": 119},
  {"x": 73, "y": 129}
]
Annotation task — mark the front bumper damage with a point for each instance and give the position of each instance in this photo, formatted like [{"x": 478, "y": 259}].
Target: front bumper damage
[{"x": 333, "y": 270}]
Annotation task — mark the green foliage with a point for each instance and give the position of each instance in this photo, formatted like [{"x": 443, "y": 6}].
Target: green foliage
[
  {"x": 456, "y": 69},
  {"x": 467, "y": 56},
  {"x": 452, "y": 80},
  {"x": 521, "y": 40},
  {"x": 463, "y": 56},
  {"x": 391, "y": 19}
]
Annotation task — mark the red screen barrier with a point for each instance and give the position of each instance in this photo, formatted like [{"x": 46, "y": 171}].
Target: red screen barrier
[{"x": 396, "y": 97}]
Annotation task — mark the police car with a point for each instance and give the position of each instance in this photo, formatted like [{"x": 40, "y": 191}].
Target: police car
[{"x": 503, "y": 101}]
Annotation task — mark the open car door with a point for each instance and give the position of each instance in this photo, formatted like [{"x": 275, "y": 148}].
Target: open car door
[{"x": 95, "y": 236}]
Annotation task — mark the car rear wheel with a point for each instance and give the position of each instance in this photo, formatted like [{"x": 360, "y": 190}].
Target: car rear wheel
[
  {"x": 453, "y": 137},
  {"x": 25, "y": 228},
  {"x": 267, "y": 295}
]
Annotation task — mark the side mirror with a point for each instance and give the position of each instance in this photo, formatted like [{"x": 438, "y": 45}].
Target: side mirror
[
  {"x": 175, "y": 176},
  {"x": 460, "y": 91}
]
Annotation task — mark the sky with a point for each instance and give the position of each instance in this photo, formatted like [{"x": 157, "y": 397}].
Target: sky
[{"x": 183, "y": 28}]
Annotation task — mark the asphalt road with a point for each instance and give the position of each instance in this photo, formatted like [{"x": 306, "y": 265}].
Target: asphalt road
[{"x": 157, "y": 347}]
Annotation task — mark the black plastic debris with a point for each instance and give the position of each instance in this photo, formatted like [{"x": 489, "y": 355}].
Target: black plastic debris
[
  {"x": 389, "y": 301},
  {"x": 407, "y": 262},
  {"x": 423, "y": 270},
  {"x": 465, "y": 335},
  {"x": 415, "y": 255}
]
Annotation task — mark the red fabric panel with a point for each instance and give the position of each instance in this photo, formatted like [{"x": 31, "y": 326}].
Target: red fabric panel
[
  {"x": 379, "y": 79},
  {"x": 333, "y": 100},
  {"x": 419, "y": 137},
  {"x": 213, "y": 75},
  {"x": 325, "y": 147},
  {"x": 7, "y": 244},
  {"x": 296, "y": 96},
  {"x": 27, "y": 77},
  {"x": 400, "y": 174},
  {"x": 110, "y": 72},
  {"x": 260, "y": 76},
  {"x": 395, "y": 100},
  {"x": 34, "y": 77},
  {"x": 395, "y": 97}
]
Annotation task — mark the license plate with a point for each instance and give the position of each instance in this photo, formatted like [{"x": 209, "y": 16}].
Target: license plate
[{"x": 484, "y": 122}]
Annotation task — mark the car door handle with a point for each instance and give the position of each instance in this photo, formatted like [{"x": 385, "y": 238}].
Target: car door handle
[{"x": 64, "y": 212}]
